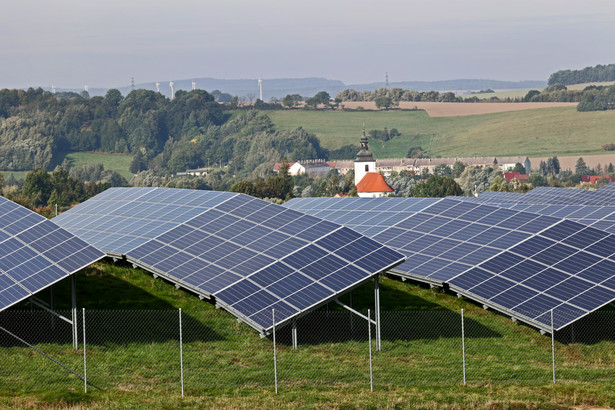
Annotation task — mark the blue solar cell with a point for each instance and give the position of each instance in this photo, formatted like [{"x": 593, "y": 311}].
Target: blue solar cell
[
  {"x": 449, "y": 228},
  {"x": 532, "y": 246},
  {"x": 577, "y": 262},
  {"x": 344, "y": 278},
  {"x": 514, "y": 296},
  {"x": 492, "y": 287},
  {"x": 593, "y": 299},
  {"x": 562, "y": 230},
  {"x": 523, "y": 270},
  {"x": 287, "y": 285},
  {"x": 599, "y": 272},
  {"x": 309, "y": 296},
  {"x": 554, "y": 254},
  {"x": 471, "y": 278},
  {"x": 537, "y": 305},
  {"x": 459, "y": 251},
  {"x": 501, "y": 262},
  {"x": 538, "y": 224},
  {"x": 479, "y": 255},
  {"x": 546, "y": 279},
  {"x": 605, "y": 247},
  {"x": 568, "y": 288}
]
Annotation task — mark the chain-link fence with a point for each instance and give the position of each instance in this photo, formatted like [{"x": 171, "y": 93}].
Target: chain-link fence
[{"x": 196, "y": 352}]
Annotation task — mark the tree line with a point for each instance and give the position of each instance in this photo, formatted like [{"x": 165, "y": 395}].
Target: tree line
[{"x": 599, "y": 73}]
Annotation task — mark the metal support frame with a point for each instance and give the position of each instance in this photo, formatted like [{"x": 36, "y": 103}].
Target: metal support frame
[
  {"x": 294, "y": 334},
  {"x": 351, "y": 316},
  {"x": 74, "y": 311},
  {"x": 463, "y": 346},
  {"x": 85, "y": 361},
  {"x": 553, "y": 345},
  {"x": 275, "y": 357},
  {"x": 377, "y": 312},
  {"x": 181, "y": 351}
]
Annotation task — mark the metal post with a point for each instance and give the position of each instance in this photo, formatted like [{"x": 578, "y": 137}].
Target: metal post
[
  {"x": 294, "y": 334},
  {"x": 351, "y": 316},
  {"x": 463, "y": 347},
  {"x": 377, "y": 313},
  {"x": 275, "y": 359},
  {"x": 74, "y": 311},
  {"x": 181, "y": 351},
  {"x": 553, "y": 345},
  {"x": 56, "y": 209},
  {"x": 369, "y": 336},
  {"x": 85, "y": 363}
]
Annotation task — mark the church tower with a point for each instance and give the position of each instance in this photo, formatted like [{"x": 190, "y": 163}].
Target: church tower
[{"x": 365, "y": 162}]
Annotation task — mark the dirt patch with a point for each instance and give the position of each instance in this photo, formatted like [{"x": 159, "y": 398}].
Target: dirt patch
[
  {"x": 443, "y": 109},
  {"x": 570, "y": 162}
]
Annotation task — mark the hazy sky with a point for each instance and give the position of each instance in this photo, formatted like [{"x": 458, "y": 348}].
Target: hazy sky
[{"x": 104, "y": 43}]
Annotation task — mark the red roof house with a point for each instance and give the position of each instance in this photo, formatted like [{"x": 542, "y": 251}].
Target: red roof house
[{"x": 373, "y": 185}]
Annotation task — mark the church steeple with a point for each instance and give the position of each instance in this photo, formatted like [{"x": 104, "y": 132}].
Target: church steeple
[
  {"x": 365, "y": 162},
  {"x": 364, "y": 154}
]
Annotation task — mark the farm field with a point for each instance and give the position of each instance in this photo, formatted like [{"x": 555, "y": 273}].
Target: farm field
[
  {"x": 521, "y": 93},
  {"x": 444, "y": 109},
  {"x": 534, "y": 133},
  {"x": 115, "y": 162},
  {"x": 134, "y": 355},
  {"x": 17, "y": 174}
]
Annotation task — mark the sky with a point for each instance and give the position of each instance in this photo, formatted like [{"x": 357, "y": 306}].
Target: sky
[{"x": 70, "y": 43}]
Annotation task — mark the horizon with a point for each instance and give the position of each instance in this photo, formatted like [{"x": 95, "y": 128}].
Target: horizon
[{"x": 104, "y": 45}]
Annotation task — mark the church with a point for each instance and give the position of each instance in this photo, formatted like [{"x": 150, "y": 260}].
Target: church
[{"x": 369, "y": 183}]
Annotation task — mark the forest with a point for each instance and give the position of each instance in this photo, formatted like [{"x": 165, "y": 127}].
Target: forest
[{"x": 599, "y": 73}]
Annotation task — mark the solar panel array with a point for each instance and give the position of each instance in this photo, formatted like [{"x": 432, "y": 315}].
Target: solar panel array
[
  {"x": 516, "y": 262},
  {"x": 35, "y": 253},
  {"x": 251, "y": 255}
]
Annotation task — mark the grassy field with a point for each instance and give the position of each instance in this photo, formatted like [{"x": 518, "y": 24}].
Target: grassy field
[
  {"x": 522, "y": 93},
  {"x": 133, "y": 355},
  {"x": 115, "y": 162},
  {"x": 16, "y": 174},
  {"x": 541, "y": 132}
]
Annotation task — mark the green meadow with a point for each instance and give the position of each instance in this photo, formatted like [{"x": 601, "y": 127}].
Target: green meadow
[{"x": 535, "y": 133}]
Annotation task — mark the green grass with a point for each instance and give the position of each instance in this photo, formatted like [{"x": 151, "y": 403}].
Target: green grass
[
  {"x": 522, "y": 93},
  {"x": 17, "y": 174},
  {"x": 115, "y": 162},
  {"x": 132, "y": 328},
  {"x": 538, "y": 132}
]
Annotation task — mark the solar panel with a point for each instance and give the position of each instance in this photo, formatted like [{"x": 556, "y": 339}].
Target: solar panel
[
  {"x": 251, "y": 255},
  {"x": 517, "y": 262},
  {"x": 35, "y": 253}
]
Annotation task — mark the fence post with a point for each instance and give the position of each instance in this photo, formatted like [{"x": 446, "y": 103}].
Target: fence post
[
  {"x": 553, "y": 346},
  {"x": 181, "y": 351},
  {"x": 85, "y": 363},
  {"x": 463, "y": 346},
  {"x": 275, "y": 362},
  {"x": 369, "y": 336}
]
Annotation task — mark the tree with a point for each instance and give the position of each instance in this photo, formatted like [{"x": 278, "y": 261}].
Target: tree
[
  {"x": 581, "y": 168},
  {"x": 458, "y": 168},
  {"x": 443, "y": 170},
  {"x": 518, "y": 168},
  {"x": 37, "y": 187},
  {"x": 291, "y": 100},
  {"x": 383, "y": 102},
  {"x": 437, "y": 186},
  {"x": 553, "y": 166},
  {"x": 530, "y": 94},
  {"x": 322, "y": 97}
]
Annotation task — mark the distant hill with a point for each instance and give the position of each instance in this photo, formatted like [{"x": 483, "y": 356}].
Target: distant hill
[
  {"x": 454, "y": 85},
  {"x": 308, "y": 87}
]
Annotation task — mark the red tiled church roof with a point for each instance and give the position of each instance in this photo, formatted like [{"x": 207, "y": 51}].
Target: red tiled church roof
[{"x": 373, "y": 182}]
